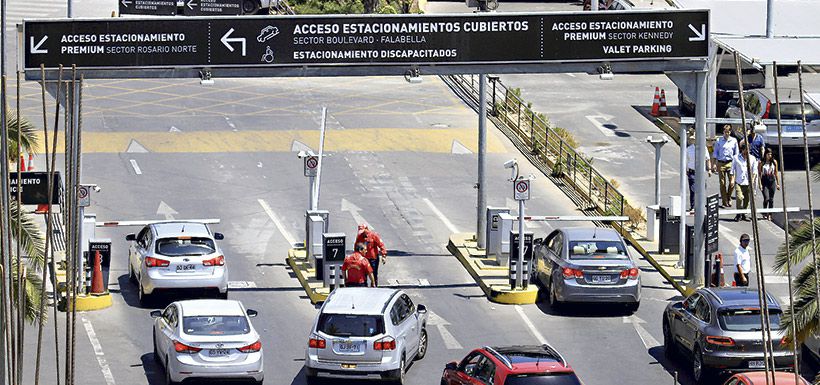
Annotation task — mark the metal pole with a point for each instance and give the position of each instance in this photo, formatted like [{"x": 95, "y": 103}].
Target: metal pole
[
  {"x": 770, "y": 20},
  {"x": 682, "y": 187},
  {"x": 4, "y": 191},
  {"x": 592, "y": 3},
  {"x": 70, "y": 9},
  {"x": 698, "y": 262},
  {"x": 481, "y": 215},
  {"x": 315, "y": 204},
  {"x": 519, "y": 271},
  {"x": 311, "y": 203},
  {"x": 657, "y": 174}
]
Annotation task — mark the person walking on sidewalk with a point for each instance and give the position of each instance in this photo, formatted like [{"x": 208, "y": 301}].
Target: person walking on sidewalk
[
  {"x": 375, "y": 248},
  {"x": 690, "y": 169},
  {"x": 769, "y": 180},
  {"x": 743, "y": 262},
  {"x": 756, "y": 147},
  {"x": 725, "y": 150},
  {"x": 357, "y": 269},
  {"x": 740, "y": 178}
]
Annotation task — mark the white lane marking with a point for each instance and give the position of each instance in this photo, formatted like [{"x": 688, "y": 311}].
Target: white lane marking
[
  {"x": 450, "y": 341},
  {"x": 354, "y": 211},
  {"x": 570, "y": 75},
  {"x": 276, "y": 222},
  {"x": 776, "y": 279},
  {"x": 392, "y": 282},
  {"x": 441, "y": 216},
  {"x": 424, "y": 282},
  {"x": 648, "y": 340},
  {"x": 241, "y": 284},
  {"x": 530, "y": 325},
  {"x": 596, "y": 121},
  {"x": 95, "y": 343},
  {"x": 136, "y": 167},
  {"x": 165, "y": 210}
]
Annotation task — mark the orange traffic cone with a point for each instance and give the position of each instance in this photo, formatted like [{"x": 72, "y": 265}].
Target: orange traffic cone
[
  {"x": 96, "y": 275},
  {"x": 41, "y": 209},
  {"x": 22, "y": 165},
  {"x": 656, "y": 102},
  {"x": 30, "y": 162},
  {"x": 662, "y": 110}
]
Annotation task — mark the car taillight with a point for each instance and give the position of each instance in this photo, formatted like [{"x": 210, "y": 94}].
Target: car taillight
[
  {"x": 218, "y": 261},
  {"x": 252, "y": 348},
  {"x": 386, "y": 343},
  {"x": 630, "y": 273},
  {"x": 182, "y": 348},
  {"x": 720, "y": 341},
  {"x": 768, "y": 108},
  {"x": 317, "y": 342},
  {"x": 156, "y": 262},
  {"x": 570, "y": 273}
]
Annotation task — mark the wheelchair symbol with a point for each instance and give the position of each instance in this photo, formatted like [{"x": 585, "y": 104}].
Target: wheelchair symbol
[{"x": 268, "y": 56}]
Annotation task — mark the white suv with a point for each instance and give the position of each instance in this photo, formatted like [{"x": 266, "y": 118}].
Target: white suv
[{"x": 366, "y": 333}]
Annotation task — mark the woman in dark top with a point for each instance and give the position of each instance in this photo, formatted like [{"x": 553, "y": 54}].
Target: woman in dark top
[{"x": 769, "y": 180}]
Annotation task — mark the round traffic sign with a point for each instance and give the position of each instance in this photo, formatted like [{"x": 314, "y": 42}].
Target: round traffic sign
[
  {"x": 312, "y": 162},
  {"x": 83, "y": 192},
  {"x": 522, "y": 186}
]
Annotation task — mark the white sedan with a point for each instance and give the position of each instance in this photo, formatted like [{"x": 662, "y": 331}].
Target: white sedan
[{"x": 207, "y": 339}]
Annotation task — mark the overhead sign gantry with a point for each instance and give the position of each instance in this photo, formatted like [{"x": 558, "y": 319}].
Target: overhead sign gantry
[{"x": 369, "y": 45}]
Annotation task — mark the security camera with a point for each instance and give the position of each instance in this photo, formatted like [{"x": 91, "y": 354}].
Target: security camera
[
  {"x": 97, "y": 189},
  {"x": 301, "y": 154},
  {"x": 510, "y": 163}
]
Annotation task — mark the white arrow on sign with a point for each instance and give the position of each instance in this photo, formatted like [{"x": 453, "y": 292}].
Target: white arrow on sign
[
  {"x": 354, "y": 211},
  {"x": 166, "y": 210},
  {"x": 441, "y": 324},
  {"x": 35, "y": 48},
  {"x": 125, "y": 3},
  {"x": 227, "y": 40},
  {"x": 699, "y": 35},
  {"x": 190, "y": 5}
]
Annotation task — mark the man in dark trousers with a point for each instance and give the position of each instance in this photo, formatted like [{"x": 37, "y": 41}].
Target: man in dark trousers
[
  {"x": 743, "y": 261},
  {"x": 375, "y": 248},
  {"x": 357, "y": 269}
]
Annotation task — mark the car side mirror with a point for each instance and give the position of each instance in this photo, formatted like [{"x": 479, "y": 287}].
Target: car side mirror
[
  {"x": 251, "y": 313},
  {"x": 421, "y": 309},
  {"x": 130, "y": 237},
  {"x": 156, "y": 313},
  {"x": 451, "y": 365},
  {"x": 219, "y": 236},
  {"x": 677, "y": 305},
  {"x": 733, "y": 103}
]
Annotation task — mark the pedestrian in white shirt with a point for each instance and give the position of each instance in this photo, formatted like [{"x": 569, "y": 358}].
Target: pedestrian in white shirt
[
  {"x": 740, "y": 179},
  {"x": 743, "y": 261}
]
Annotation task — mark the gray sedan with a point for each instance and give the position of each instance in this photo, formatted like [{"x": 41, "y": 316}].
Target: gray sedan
[{"x": 586, "y": 264}]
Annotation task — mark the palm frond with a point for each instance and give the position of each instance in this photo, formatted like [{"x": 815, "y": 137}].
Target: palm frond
[
  {"x": 32, "y": 291},
  {"x": 799, "y": 245},
  {"x": 815, "y": 173},
  {"x": 803, "y": 312},
  {"x": 28, "y": 132},
  {"x": 32, "y": 238}
]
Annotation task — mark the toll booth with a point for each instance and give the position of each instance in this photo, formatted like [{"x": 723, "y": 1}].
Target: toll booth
[
  {"x": 321, "y": 213},
  {"x": 513, "y": 257},
  {"x": 333, "y": 252},
  {"x": 315, "y": 229},
  {"x": 502, "y": 250},
  {"x": 669, "y": 232},
  {"x": 495, "y": 234},
  {"x": 103, "y": 246}
]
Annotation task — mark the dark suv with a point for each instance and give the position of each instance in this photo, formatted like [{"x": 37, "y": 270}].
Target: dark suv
[
  {"x": 719, "y": 328},
  {"x": 511, "y": 365}
]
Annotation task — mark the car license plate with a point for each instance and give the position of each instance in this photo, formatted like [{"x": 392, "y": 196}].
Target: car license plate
[
  {"x": 348, "y": 366},
  {"x": 792, "y": 128},
  {"x": 185, "y": 268},
  {"x": 758, "y": 364},
  {"x": 348, "y": 347},
  {"x": 218, "y": 352},
  {"x": 601, "y": 279}
]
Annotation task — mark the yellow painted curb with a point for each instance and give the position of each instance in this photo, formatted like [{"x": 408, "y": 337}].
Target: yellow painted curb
[
  {"x": 295, "y": 260},
  {"x": 496, "y": 293},
  {"x": 92, "y": 302}
]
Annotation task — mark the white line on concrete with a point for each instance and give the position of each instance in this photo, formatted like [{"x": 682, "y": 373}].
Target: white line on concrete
[
  {"x": 441, "y": 216},
  {"x": 424, "y": 282},
  {"x": 648, "y": 340},
  {"x": 570, "y": 75},
  {"x": 276, "y": 222},
  {"x": 450, "y": 341},
  {"x": 95, "y": 343},
  {"x": 241, "y": 284},
  {"x": 596, "y": 121},
  {"x": 776, "y": 279},
  {"x": 136, "y": 167},
  {"x": 530, "y": 325}
]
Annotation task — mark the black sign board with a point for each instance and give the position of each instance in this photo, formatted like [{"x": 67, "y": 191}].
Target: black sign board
[
  {"x": 527, "y": 245},
  {"x": 148, "y": 7},
  {"x": 34, "y": 186},
  {"x": 334, "y": 247},
  {"x": 711, "y": 223},
  {"x": 104, "y": 247},
  {"x": 499, "y": 40},
  {"x": 212, "y": 7}
]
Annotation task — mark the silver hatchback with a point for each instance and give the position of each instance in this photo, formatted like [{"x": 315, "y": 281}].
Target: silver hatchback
[
  {"x": 586, "y": 264},
  {"x": 366, "y": 333}
]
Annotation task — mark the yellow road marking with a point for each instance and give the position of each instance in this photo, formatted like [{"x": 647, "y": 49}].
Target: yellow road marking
[{"x": 363, "y": 139}]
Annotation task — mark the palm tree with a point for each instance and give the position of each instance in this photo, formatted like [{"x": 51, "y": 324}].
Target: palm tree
[
  {"x": 32, "y": 240},
  {"x": 803, "y": 312}
]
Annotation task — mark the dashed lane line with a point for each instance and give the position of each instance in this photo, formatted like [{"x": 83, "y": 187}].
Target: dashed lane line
[
  {"x": 136, "y": 167},
  {"x": 440, "y": 215},
  {"x": 531, "y": 326},
  {"x": 95, "y": 343},
  {"x": 278, "y": 223}
]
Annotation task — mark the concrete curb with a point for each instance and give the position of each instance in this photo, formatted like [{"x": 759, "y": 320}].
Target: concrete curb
[
  {"x": 297, "y": 261},
  {"x": 492, "y": 280}
]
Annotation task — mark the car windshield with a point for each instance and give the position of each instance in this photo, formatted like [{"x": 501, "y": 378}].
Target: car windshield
[
  {"x": 746, "y": 319},
  {"x": 351, "y": 325},
  {"x": 543, "y": 379},
  {"x": 596, "y": 250},
  {"x": 792, "y": 111},
  {"x": 185, "y": 246},
  {"x": 215, "y": 325}
]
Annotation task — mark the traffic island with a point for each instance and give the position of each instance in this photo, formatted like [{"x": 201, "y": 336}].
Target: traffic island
[
  {"x": 492, "y": 278},
  {"x": 83, "y": 302},
  {"x": 298, "y": 262}
]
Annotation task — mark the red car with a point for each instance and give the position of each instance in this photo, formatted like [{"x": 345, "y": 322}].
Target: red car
[
  {"x": 511, "y": 365},
  {"x": 759, "y": 378}
]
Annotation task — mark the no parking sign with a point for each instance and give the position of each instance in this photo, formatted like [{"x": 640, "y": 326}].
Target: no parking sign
[
  {"x": 521, "y": 190},
  {"x": 311, "y": 165}
]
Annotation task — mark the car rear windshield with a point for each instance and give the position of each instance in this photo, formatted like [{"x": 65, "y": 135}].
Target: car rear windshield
[
  {"x": 185, "y": 246},
  {"x": 596, "y": 250},
  {"x": 543, "y": 379},
  {"x": 746, "y": 319},
  {"x": 351, "y": 325},
  {"x": 792, "y": 111},
  {"x": 215, "y": 325}
]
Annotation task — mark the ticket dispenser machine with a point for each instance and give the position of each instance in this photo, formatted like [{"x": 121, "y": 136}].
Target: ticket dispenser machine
[
  {"x": 494, "y": 233},
  {"x": 505, "y": 223},
  {"x": 316, "y": 225},
  {"x": 333, "y": 245}
]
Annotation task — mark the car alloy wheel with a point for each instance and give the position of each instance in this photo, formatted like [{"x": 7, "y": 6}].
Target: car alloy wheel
[
  {"x": 668, "y": 343},
  {"x": 168, "y": 380},
  {"x": 250, "y": 6},
  {"x": 131, "y": 276},
  {"x": 554, "y": 302},
  {"x": 156, "y": 353},
  {"x": 144, "y": 298},
  {"x": 422, "y": 345},
  {"x": 402, "y": 371},
  {"x": 697, "y": 366}
]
